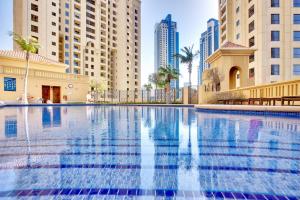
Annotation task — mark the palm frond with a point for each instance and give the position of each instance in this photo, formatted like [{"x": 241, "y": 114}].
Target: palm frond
[{"x": 30, "y": 46}]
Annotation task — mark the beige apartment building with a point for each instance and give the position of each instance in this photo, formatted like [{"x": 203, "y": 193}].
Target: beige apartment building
[
  {"x": 272, "y": 29},
  {"x": 97, "y": 38}
]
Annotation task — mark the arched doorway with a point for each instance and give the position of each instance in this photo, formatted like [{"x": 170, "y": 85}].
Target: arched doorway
[{"x": 234, "y": 78}]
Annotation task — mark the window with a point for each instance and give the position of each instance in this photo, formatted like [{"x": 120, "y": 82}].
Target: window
[
  {"x": 34, "y": 29},
  {"x": 275, "y": 70},
  {"x": 53, "y": 53},
  {"x": 10, "y": 84},
  {"x": 251, "y": 26},
  {"x": 66, "y": 46},
  {"x": 53, "y": 43},
  {"x": 66, "y": 21},
  {"x": 53, "y": 4},
  {"x": 275, "y": 35},
  {"x": 67, "y": 5},
  {"x": 86, "y": 73},
  {"x": 251, "y": 73},
  {"x": 92, "y": 73},
  {"x": 251, "y": 11},
  {"x": 34, "y": 7},
  {"x": 275, "y": 52},
  {"x": 296, "y": 3},
  {"x": 296, "y": 35},
  {"x": 34, "y": 18},
  {"x": 296, "y": 52},
  {"x": 275, "y": 19},
  {"x": 296, "y": 18},
  {"x": 237, "y": 22},
  {"x": 66, "y": 54},
  {"x": 251, "y": 42},
  {"x": 275, "y": 3},
  {"x": 296, "y": 69}
]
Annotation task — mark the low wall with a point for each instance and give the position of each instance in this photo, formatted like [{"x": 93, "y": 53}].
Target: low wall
[{"x": 280, "y": 89}]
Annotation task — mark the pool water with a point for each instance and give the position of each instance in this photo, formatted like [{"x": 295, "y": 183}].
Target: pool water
[{"x": 128, "y": 152}]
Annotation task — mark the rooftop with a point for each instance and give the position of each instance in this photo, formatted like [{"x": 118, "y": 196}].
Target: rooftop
[
  {"x": 231, "y": 45},
  {"x": 22, "y": 55}
]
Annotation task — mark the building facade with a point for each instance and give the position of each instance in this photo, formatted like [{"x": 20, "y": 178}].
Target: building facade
[
  {"x": 47, "y": 80},
  {"x": 166, "y": 46},
  {"x": 271, "y": 27},
  {"x": 209, "y": 43},
  {"x": 97, "y": 38}
]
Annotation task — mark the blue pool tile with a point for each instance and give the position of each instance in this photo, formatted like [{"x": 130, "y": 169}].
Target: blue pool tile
[
  {"x": 45, "y": 192},
  {"x": 84, "y": 191},
  {"x": 169, "y": 193},
  {"x": 132, "y": 192},
  {"x": 74, "y": 191},
  {"x": 159, "y": 193},
  {"x": 24, "y": 193},
  {"x": 103, "y": 191},
  {"x": 218, "y": 195},
  {"x": 65, "y": 191},
  {"x": 260, "y": 197},
  {"x": 122, "y": 192},
  {"x": 238, "y": 195},
  {"x": 94, "y": 191},
  {"x": 113, "y": 191}
]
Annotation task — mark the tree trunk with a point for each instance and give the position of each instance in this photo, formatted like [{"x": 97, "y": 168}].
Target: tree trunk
[
  {"x": 167, "y": 93},
  {"x": 190, "y": 84},
  {"x": 25, "y": 98}
]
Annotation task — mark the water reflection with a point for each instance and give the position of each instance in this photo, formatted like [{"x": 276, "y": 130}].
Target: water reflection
[
  {"x": 149, "y": 148},
  {"x": 11, "y": 126}
]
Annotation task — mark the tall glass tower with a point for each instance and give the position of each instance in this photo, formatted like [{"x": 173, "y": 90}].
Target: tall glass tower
[
  {"x": 209, "y": 43},
  {"x": 166, "y": 45}
]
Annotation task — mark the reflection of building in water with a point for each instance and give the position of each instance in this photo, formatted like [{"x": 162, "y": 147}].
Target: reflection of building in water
[
  {"x": 146, "y": 116},
  {"x": 166, "y": 131},
  {"x": 51, "y": 117},
  {"x": 263, "y": 135},
  {"x": 11, "y": 126},
  {"x": 120, "y": 124}
]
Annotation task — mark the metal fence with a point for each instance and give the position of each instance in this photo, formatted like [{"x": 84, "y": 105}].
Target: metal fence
[{"x": 139, "y": 96}]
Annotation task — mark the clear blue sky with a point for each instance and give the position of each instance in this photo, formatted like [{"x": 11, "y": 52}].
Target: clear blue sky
[{"x": 191, "y": 17}]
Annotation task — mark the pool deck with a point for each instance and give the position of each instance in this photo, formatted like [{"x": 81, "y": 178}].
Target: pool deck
[{"x": 256, "y": 108}]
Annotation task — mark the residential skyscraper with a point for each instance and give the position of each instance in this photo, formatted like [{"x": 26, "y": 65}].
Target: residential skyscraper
[
  {"x": 97, "y": 38},
  {"x": 166, "y": 45},
  {"x": 209, "y": 43},
  {"x": 271, "y": 27}
]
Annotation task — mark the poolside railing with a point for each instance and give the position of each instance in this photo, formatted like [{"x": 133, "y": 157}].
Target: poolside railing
[{"x": 138, "y": 96}]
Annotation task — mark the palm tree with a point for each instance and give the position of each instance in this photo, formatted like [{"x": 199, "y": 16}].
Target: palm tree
[
  {"x": 28, "y": 46},
  {"x": 187, "y": 57},
  {"x": 148, "y": 87},
  {"x": 168, "y": 73},
  {"x": 156, "y": 80}
]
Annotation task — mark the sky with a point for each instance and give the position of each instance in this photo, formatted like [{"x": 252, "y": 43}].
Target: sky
[{"x": 191, "y": 17}]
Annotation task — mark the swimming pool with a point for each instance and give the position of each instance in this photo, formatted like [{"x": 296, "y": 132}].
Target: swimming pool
[{"x": 117, "y": 152}]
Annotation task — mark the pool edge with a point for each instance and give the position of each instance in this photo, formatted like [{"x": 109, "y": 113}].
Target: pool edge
[{"x": 286, "y": 111}]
